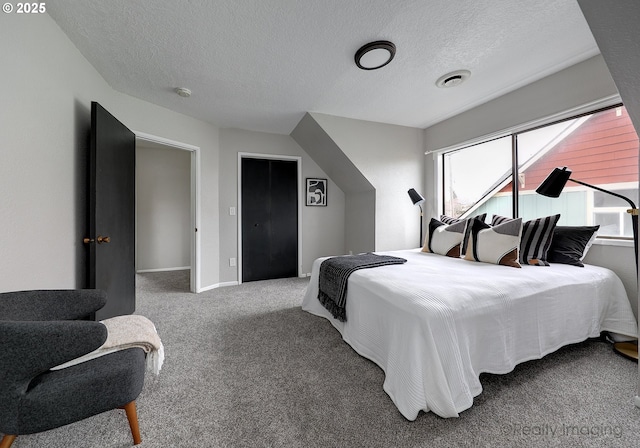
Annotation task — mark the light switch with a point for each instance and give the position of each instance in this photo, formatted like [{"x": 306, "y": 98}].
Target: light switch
[{"x": 232, "y": 211}]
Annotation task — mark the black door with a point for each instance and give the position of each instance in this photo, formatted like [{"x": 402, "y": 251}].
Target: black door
[
  {"x": 269, "y": 219},
  {"x": 111, "y": 214}
]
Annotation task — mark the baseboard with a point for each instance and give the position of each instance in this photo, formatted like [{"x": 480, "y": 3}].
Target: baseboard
[
  {"x": 181, "y": 268},
  {"x": 218, "y": 285},
  {"x": 233, "y": 283}
]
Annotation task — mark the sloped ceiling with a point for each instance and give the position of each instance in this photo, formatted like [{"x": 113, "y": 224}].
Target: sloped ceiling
[
  {"x": 261, "y": 65},
  {"x": 310, "y": 135},
  {"x": 615, "y": 27}
]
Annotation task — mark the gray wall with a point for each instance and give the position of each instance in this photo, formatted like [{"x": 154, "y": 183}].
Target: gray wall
[
  {"x": 322, "y": 227},
  {"x": 360, "y": 222},
  {"x": 615, "y": 27},
  {"x": 575, "y": 86},
  {"x": 391, "y": 158},
  {"x": 163, "y": 208},
  {"x": 360, "y": 213},
  {"x": 571, "y": 88},
  {"x": 44, "y": 129},
  {"x": 44, "y": 124},
  {"x": 619, "y": 260}
]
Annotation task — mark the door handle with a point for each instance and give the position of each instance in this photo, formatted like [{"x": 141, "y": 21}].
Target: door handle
[
  {"x": 100, "y": 240},
  {"x": 103, "y": 239}
]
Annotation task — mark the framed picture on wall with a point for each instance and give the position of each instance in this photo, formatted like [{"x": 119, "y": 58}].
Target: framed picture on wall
[{"x": 316, "y": 192}]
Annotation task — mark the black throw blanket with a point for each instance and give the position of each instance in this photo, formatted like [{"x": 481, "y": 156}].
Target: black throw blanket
[{"x": 334, "y": 274}]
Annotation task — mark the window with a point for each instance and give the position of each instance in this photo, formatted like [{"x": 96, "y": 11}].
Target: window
[
  {"x": 610, "y": 212},
  {"x": 601, "y": 149},
  {"x": 473, "y": 173}
]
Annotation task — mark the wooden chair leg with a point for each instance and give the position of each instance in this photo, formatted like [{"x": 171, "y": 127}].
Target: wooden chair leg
[
  {"x": 132, "y": 416},
  {"x": 7, "y": 440}
]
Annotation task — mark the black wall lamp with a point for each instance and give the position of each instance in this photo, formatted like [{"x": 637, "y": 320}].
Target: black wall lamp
[
  {"x": 552, "y": 187},
  {"x": 375, "y": 55},
  {"x": 417, "y": 199}
]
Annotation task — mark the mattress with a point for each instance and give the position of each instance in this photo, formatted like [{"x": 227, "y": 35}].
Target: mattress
[{"x": 435, "y": 323}]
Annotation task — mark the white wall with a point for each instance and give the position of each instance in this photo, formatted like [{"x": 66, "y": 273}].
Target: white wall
[
  {"x": 391, "y": 158},
  {"x": 571, "y": 88},
  {"x": 44, "y": 129},
  {"x": 163, "y": 208},
  {"x": 323, "y": 227}
]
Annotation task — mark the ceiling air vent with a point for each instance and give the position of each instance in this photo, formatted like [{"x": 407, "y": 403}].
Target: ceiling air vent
[{"x": 453, "y": 79}]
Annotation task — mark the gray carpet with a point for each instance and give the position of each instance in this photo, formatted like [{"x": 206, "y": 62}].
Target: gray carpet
[{"x": 246, "y": 367}]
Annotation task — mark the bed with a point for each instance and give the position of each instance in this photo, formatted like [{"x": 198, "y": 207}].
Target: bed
[{"x": 435, "y": 323}]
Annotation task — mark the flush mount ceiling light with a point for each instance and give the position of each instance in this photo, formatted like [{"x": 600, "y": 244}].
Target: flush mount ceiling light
[
  {"x": 375, "y": 55},
  {"x": 183, "y": 92},
  {"x": 453, "y": 79}
]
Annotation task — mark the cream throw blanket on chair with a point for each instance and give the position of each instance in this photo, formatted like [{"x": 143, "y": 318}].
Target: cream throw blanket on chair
[{"x": 127, "y": 332}]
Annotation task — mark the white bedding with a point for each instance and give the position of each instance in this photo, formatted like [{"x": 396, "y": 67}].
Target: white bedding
[{"x": 435, "y": 323}]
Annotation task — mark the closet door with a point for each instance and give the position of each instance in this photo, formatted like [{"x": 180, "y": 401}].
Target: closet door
[{"x": 269, "y": 219}]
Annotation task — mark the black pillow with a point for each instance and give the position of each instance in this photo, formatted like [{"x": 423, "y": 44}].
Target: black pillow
[{"x": 570, "y": 244}]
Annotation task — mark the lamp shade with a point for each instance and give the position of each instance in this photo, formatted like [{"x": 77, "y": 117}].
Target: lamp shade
[
  {"x": 554, "y": 183},
  {"x": 416, "y": 198}
]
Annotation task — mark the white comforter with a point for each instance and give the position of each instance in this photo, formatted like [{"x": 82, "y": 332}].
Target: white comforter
[{"x": 435, "y": 323}]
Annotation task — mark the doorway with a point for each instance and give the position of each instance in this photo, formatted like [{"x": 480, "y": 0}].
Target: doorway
[
  {"x": 150, "y": 142},
  {"x": 269, "y": 217}
]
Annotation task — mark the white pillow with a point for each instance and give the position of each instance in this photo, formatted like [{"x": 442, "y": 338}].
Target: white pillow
[
  {"x": 498, "y": 244},
  {"x": 443, "y": 239}
]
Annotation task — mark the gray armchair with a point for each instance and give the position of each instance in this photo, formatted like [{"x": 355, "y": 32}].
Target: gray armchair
[{"x": 38, "y": 331}]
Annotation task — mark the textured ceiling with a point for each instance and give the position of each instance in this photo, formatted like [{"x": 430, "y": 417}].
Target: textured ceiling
[{"x": 261, "y": 64}]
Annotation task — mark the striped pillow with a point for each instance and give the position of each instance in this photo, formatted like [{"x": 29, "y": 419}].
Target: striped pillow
[
  {"x": 497, "y": 219},
  {"x": 443, "y": 239},
  {"x": 448, "y": 220},
  {"x": 536, "y": 238},
  {"x": 498, "y": 244}
]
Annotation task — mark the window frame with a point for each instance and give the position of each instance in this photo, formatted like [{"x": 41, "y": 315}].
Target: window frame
[{"x": 587, "y": 110}]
